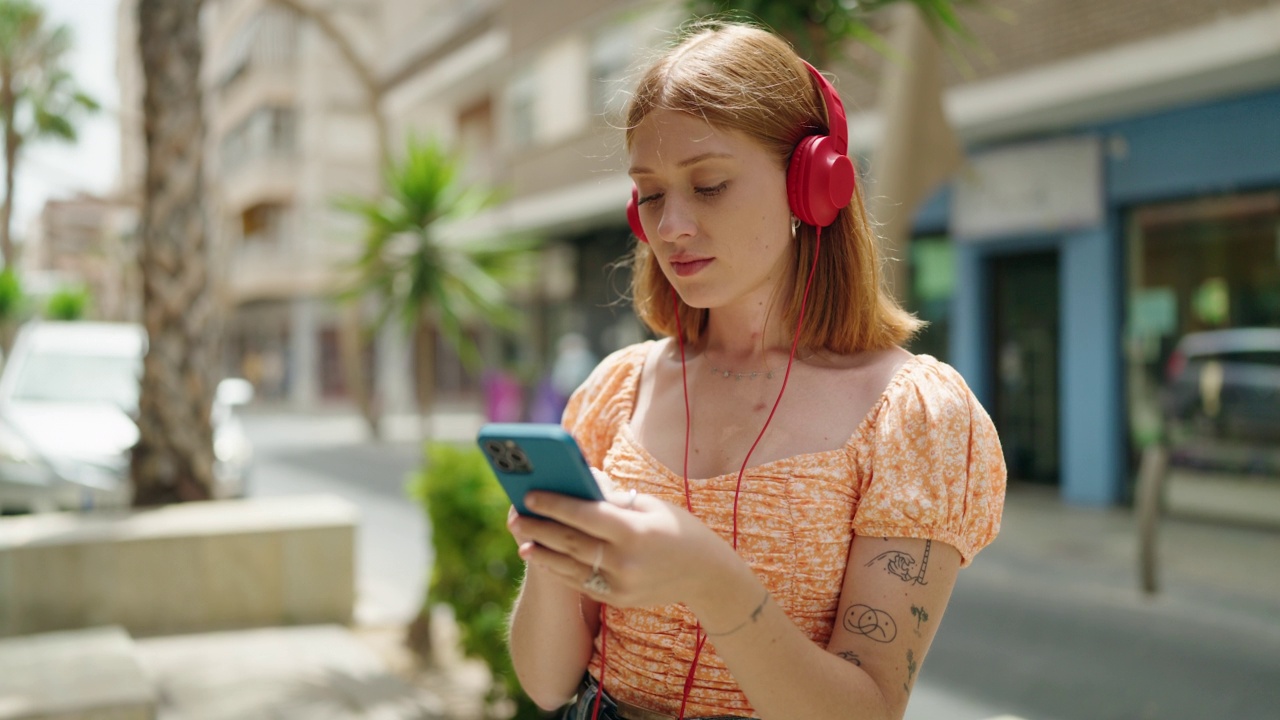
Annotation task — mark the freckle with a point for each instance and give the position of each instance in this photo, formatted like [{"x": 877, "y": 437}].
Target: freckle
[{"x": 759, "y": 407}]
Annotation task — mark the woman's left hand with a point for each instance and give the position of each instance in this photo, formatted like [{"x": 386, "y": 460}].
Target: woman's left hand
[{"x": 648, "y": 552}]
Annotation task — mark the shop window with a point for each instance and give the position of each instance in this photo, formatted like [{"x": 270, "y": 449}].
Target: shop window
[
  {"x": 933, "y": 272},
  {"x": 1203, "y": 330}
]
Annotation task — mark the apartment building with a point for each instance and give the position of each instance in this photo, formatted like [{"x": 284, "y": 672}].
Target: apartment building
[{"x": 89, "y": 242}]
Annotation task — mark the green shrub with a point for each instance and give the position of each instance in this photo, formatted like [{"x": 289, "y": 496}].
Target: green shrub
[
  {"x": 477, "y": 570},
  {"x": 68, "y": 304}
]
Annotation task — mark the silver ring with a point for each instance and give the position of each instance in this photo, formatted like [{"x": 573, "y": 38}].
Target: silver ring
[
  {"x": 595, "y": 565},
  {"x": 597, "y": 584},
  {"x": 631, "y": 499}
]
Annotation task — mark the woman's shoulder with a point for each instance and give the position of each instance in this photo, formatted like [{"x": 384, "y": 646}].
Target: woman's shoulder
[
  {"x": 927, "y": 394},
  {"x": 622, "y": 363}
]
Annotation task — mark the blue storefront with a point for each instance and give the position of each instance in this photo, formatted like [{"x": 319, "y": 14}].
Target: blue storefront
[{"x": 1062, "y": 245}]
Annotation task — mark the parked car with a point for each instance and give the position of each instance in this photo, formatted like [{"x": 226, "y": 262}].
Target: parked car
[
  {"x": 1222, "y": 398},
  {"x": 68, "y": 396}
]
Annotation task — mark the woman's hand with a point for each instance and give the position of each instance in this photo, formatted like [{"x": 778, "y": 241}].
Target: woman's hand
[{"x": 649, "y": 552}]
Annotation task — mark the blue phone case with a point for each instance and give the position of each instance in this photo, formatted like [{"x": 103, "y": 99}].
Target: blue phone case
[{"x": 536, "y": 456}]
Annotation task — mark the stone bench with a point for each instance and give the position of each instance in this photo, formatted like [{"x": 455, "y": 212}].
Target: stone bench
[
  {"x": 191, "y": 567},
  {"x": 74, "y": 675}
]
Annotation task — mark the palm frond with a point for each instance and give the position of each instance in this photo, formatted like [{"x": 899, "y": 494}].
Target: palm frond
[{"x": 409, "y": 273}]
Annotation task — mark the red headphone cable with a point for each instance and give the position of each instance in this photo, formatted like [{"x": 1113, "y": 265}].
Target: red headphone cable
[{"x": 700, "y": 637}]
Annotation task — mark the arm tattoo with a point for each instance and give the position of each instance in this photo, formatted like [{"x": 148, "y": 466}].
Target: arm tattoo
[
  {"x": 900, "y": 564},
  {"x": 921, "y": 615},
  {"x": 875, "y": 624},
  {"x": 911, "y": 670},
  {"x": 754, "y": 617},
  {"x": 851, "y": 657}
]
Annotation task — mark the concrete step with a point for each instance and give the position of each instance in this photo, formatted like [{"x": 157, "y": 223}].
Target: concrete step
[{"x": 92, "y": 674}]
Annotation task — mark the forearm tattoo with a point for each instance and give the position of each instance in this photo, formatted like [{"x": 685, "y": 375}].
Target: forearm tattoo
[
  {"x": 901, "y": 564},
  {"x": 875, "y": 624}
]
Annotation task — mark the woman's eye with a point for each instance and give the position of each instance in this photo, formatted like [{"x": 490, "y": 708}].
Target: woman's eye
[
  {"x": 648, "y": 198},
  {"x": 711, "y": 191}
]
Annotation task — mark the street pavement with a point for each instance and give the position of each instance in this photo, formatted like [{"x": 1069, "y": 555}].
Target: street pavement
[{"x": 1047, "y": 624}]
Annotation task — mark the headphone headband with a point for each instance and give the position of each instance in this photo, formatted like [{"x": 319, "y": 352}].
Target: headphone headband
[{"x": 837, "y": 121}]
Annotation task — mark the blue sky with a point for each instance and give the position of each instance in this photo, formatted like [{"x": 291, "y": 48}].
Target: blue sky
[{"x": 53, "y": 170}]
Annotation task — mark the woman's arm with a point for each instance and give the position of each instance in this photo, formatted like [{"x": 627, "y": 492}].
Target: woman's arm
[
  {"x": 658, "y": 553},
  {"x": 894, "y": 595},
  {"x": 552, "y": 629}
]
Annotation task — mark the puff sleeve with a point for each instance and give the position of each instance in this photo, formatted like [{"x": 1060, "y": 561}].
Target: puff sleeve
[
  {"x": 599, "y": 408},
  {"x": 937, "y": 470}
]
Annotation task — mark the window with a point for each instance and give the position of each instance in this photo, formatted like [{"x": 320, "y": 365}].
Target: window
[
  {"x": 1203, "y": 330},
  {"x": 268, "y": 131},
  {"x": 610, "y": 58},
  {"x": 263, "y": 224},
  {"x": 521, "y": 96},
  {"x": 267, "y": 40},
  {"x": 933, "y": 280}
]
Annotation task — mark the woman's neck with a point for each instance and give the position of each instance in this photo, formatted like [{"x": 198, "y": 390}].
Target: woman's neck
[{"x": 747, "y": 335}]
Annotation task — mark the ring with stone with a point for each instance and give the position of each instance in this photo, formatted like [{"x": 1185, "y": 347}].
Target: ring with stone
[
  {"x": 597, "y": 584},
  {"x": 631, "y": 499}
]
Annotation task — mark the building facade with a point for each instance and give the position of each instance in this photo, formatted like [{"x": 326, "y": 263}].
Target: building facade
[{"x": 1120, "y": 188}]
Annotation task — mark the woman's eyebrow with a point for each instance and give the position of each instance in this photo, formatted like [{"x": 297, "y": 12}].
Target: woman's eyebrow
[{"x": 684, "y": 163}]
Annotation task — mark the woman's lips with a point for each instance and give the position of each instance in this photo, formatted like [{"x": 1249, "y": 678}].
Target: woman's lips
[{"x": 685, "y": 268}]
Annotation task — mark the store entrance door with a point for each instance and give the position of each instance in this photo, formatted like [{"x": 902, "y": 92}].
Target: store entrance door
[{"x": 1025, "y": 363}]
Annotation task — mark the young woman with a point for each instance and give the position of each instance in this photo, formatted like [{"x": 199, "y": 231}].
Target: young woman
[{"x": 794, "y": 492}]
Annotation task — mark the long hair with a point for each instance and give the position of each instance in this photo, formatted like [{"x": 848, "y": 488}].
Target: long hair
[{"x": 745, "y": 79}]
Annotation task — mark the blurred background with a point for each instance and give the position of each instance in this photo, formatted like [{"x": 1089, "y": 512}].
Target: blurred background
[{"x": 411, "y": 219}]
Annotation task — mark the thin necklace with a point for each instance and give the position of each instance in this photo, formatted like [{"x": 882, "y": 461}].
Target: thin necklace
[{"x": 768, "y": 374}]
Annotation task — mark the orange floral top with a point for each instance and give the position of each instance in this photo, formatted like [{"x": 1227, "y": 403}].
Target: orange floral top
[{"x": 924, "y": 463}]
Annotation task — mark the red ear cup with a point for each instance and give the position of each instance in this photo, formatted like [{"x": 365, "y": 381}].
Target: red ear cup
[
  {"x": 820, "y": 177},
  {"x": 820, "y": 181},
  {"x": 633, "y": 215}
]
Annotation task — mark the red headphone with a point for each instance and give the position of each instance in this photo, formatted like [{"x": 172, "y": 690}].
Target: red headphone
[{"x": 820, "y": 177}]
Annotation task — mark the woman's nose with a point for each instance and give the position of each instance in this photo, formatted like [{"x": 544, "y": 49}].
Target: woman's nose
[{"x": 677, "y": 220}]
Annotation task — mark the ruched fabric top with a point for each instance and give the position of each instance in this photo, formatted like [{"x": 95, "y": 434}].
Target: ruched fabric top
[{"x": 925, "y": 463}]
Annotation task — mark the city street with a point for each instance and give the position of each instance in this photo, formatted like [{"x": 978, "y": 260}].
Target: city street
[{"x": 1046, "y": 624}]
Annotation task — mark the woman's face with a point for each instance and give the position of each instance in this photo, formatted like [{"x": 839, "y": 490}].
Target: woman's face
[{"x": 713, "y": 204}]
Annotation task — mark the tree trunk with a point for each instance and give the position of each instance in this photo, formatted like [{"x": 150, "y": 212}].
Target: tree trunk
[
  {"x": 173, "y": 460},
  {"x": 424, "y": 376},
  {"x": 354, "y": 346},
  {"x": 918, "y": 149}
]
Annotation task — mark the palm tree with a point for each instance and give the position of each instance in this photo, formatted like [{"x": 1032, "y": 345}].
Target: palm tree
[
  {"x": 430, "y": 284},
  {"x": 173, "y": 460},
  {"x": 38, "y": 96}
]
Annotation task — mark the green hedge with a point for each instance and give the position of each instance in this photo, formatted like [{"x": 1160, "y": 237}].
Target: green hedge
[{"x": 477, "y": 570}]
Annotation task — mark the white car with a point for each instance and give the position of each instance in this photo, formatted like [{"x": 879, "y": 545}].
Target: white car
[{"x": 68, "y": 393}]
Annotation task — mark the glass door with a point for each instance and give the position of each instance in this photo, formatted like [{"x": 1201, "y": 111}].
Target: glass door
[{"x": 1025, "y": 363}]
